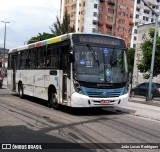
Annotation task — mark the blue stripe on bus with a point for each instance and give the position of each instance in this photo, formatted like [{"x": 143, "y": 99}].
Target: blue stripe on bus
[
  {"x": 44, "y": 42},
  {"x": 93, "y": 92}
]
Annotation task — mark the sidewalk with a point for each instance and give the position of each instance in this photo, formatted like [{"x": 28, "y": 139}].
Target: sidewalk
[
  {"x": 141, "y": 110},
  {"x": 138, "y": 106},
  {"x": 141, "y": 99}
]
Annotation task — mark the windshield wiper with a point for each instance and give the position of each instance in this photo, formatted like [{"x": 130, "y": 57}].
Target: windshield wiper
[{"x": 93, "y": 53}]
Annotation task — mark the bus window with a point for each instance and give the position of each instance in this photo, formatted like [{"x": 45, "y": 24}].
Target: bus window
[
  {"x": 31, "y": 59},
  {"x": 23, "y": 60},
  {"x": 52, "y": 59},
  {"x": 41, "y": 53},
  {"x": 18, "y": 60}
]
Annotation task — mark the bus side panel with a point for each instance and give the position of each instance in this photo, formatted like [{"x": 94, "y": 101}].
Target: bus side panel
[
  {"x": 29, "y": 83},
  {"x": 53, "y": 79},
  {"x": 10, "y": 79},
  {"x": 18, "y": 79},
  {"x": 21, "y": 77},
  {"x": 39, "y": 87}
]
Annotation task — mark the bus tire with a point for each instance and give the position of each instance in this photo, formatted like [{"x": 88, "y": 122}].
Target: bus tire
[
  {"x": 53, "y": 101},
  {"x": 20, "y": 91}
]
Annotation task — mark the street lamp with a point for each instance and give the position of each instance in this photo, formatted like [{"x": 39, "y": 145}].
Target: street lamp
[
  {"x": 153, "y": 51},
  {"x": 4, "y": 43}
]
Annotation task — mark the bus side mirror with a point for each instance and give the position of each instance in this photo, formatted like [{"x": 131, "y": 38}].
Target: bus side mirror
[{"x": 71, "y": 58}]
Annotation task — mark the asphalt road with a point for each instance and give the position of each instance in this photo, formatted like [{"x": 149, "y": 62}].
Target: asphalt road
[{"x": 29, "y": 120}]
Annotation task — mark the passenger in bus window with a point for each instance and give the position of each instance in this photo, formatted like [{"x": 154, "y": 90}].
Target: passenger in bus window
[
  {"x": 28, "y": 63},
  {"x": 40, "y": 65},
  {"x": 48, "y": 63}
]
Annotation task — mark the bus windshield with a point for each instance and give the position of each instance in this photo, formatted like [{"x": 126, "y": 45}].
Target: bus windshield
[{"x": 100, "y": 64}]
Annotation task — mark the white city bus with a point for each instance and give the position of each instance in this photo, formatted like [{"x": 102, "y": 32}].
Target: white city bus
[{"x": 75, "y": 69}]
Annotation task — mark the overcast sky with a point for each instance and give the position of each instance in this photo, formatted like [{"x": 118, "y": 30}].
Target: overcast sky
[{"x": 27, "y": 18}]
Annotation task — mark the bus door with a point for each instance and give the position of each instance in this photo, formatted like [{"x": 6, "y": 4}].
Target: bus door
[
  {"x": 65, "y": 65},
  {"x": 13, "y": 81}
]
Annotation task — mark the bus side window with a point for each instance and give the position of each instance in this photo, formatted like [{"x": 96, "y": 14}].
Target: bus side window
[
  {"x": 41, "y": 53},
  {"x": 32, "y": 59},
  {"x": 18, "y": 60},
  {"x": 52, "y": 59},
  {"x": 23, "y": 59}
]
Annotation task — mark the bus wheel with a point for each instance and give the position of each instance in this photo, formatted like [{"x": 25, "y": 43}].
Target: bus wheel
[
  {"x": 20, "y": 91},
  {"x": 53, "y": 101}
]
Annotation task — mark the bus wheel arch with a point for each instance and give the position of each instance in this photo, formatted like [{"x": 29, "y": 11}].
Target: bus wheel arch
[
  {"x": 52, "y": 97},
  {"x": 20, "y": 90}
]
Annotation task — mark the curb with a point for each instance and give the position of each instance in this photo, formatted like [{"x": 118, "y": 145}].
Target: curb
[{"x": 153, "y": 103}]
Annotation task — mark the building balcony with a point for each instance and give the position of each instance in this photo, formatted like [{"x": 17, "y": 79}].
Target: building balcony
[
  {"x": 109, "y": 24},
  {"x": 100, "y": 23},
  {"x": 111, "y": 2},
  {"x": 131, "y": 23},
  {"x": 102, "y": 0},
  {"x": 146, "y": 11},
  {"x": 95, "y": 22}
]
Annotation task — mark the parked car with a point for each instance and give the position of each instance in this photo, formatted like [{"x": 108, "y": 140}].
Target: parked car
[{"x": 142, "y": 90}]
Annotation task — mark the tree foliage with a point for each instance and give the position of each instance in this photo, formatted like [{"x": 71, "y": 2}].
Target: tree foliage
[
  {"x": 40, "y": 37},
  {"x": 145, "y": 64},
  {"x": 130, "y": 59},
  {"x": 59, "y": 28}
]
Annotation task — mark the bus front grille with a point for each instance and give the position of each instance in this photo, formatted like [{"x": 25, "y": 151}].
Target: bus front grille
[{"x": 102, "y": 93}]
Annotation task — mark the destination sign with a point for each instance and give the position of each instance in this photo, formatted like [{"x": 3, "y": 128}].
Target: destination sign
[{"x": 98, "y": 39}]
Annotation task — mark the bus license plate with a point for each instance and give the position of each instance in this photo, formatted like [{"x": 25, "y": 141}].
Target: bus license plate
[{"x": 104, "y": 101}]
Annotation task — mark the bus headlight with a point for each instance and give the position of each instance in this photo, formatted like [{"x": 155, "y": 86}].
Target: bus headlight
[{"x": 77, "y": 87}]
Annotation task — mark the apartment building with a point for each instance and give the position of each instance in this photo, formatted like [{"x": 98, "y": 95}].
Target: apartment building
[
  {"x": 113, "y": 17},
  {"x": 143, "y": 15}
]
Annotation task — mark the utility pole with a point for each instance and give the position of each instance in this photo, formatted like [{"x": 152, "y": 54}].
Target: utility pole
[
  {"x": 153, "y": 51},
  {"x": 4, "y": 44}
]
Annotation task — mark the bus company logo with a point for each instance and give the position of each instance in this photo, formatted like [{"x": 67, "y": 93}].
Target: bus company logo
[
  {"x": 104, "y": 93},
  {"x": 6, "y": 146}
]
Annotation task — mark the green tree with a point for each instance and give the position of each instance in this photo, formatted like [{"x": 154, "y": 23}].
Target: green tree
[
  {"x": 40, "y": 37},
  {"x": 59, "y": 28},
  {"x": 130, "y": 59},
  {"x": 145, "y": 64}
]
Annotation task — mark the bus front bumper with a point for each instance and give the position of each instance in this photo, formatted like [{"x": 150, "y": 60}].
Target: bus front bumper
[{"x": 79, "y": 100}]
